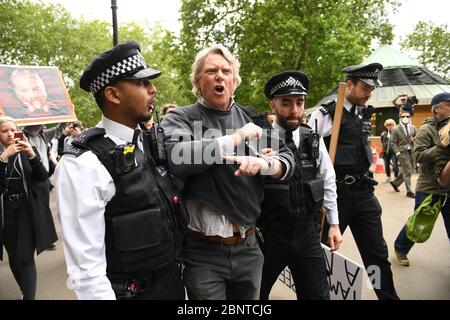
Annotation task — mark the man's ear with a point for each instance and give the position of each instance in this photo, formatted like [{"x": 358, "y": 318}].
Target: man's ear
[
  {"x": 349, "y": 84},
  {"x": 113, "y": 94},
  {"x": 271, "y": 105}
]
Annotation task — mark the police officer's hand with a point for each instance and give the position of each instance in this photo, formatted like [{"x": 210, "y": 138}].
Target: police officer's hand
[
  {"x": 249, "y": 166},
  {"x": 250, "y": 131},
  {"x": 334, "y": 237}
]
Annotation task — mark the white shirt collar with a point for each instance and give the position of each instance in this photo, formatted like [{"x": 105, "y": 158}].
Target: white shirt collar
[
  {"x": 282, "y": 131},
  {"x": 348, "y": 105},
  {"x": 115, "y": 129}
]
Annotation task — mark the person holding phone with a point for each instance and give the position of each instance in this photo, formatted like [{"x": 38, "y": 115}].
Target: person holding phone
[{"x": 26, "y": 221}]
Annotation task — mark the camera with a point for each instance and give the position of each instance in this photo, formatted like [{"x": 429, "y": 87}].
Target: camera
[
  {"x": 313, "y": 142},
  {"x": 124, "y": 159},
  {"x": 157, "y": 144},
  {"x": 406, "y": 103}
]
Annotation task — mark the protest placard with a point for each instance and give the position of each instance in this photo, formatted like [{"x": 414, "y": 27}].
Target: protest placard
[
  {"x": 345, "y": 276},
  {"x": 34, "y": 95}
]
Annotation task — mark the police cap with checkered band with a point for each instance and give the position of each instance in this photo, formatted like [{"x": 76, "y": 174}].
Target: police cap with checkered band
[
  {"x": 286, "y": 83},
  {"x": 367, "y": 73},
  {"x": 123, "y": 62}
]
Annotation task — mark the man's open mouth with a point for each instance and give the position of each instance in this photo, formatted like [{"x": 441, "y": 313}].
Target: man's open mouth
[{"x": 219, "y": 89}]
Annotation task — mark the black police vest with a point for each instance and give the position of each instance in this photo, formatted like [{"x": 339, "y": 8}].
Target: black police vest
[
  {"x": 299, "y": 198},
  {"x": 146, "y": 219},
  {"x": 353, "y": 154}
]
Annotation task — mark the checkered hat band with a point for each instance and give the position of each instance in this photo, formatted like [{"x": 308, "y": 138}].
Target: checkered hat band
[
  {"x": 126, "y": 66},
  {"x": 364, "y": 75},
  {"x": 290, "y": 82}
]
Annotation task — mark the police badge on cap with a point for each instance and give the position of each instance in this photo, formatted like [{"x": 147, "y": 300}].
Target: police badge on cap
[
  {"x": 286, "y": 83},
  {"x": 367, "y": 73},
  {"x": 122, "y": 62}
]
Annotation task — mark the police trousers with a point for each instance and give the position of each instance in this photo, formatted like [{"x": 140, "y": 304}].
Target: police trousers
[
  {"x": 297, "y": 247},
  {"x": 360, "y": 210}
]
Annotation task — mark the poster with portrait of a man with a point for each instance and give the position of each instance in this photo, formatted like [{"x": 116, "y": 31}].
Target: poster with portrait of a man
[{"x": 34, "y": 95}]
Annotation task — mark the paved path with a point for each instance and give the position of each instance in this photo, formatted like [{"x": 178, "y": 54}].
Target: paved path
[{"x": 428, "y": 277}]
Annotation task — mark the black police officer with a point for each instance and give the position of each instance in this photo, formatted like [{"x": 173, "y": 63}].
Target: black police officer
[
  {"x": 290, "y": 207},
  {"x": 358, "y": 206},
  {"x": 120, "y": 213}
]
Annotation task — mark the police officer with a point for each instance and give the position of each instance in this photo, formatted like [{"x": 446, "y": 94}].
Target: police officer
[
  {"x": 357, "y": 204},
  {"x": 290, "y": 230},
  {"x": 118, "y": 209}
]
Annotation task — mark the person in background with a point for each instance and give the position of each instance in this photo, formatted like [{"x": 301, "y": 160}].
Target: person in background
[
  {"x": 270, "y": 116},
  {"x": 291, "y": 232},
  {"x": 357, "y": 204},
  {"x": 443, "y": 155},
  {"x": 167, "y": 108},
  {"x": 402, "y": 138},
  {"x": 39, "y": 137},
  {"x": 26, "y": 223},
  {"x": 431, "y": 154},
  {"x": 388, "y": 153},
  {"x": 76, "y": 128}
]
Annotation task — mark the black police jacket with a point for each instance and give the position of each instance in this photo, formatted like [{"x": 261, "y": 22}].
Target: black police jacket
[
  {"x": 353, "y": 154},
  {"x": 146, "y": 218},
  {"x": 299, "y": 198}
]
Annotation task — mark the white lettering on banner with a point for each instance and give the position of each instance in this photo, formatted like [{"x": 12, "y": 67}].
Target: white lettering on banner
[{"x": 345, "y": 277}]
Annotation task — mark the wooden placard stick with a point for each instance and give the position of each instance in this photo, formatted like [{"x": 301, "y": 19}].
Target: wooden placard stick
[
  {"x": 335, "y": 133},
  {"x": 337, "y": 121}
]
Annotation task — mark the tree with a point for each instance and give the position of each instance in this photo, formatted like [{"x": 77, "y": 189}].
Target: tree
[
  {"x": 319, "y": 37},
  {"x": 34, "y": 33},
  {"x": 431, "y": 42},
  {"x": 39, "y": 34}
]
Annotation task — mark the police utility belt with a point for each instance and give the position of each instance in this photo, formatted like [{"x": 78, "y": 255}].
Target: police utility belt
[{"x": 350, "y": 179}]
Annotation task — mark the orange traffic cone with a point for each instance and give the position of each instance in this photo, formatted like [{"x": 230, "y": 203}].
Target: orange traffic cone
[
  {"x": 379, "y": 168},
  {"x": 375, "y": 155}
]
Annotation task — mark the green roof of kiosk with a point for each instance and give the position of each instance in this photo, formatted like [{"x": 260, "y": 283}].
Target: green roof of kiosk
[
  {"x": 390, "y": 58},
  {"x": 400, "y": 75}
]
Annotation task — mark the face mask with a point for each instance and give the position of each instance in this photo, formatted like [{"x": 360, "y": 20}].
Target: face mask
[{"x": 405, "y": 120}]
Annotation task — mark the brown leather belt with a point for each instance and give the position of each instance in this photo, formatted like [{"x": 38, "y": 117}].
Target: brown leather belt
[{"x": 228, "y": 241}]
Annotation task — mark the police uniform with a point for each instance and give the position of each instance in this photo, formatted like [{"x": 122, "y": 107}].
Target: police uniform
[
  {"x": 289, "y": 226},
  {"x": 358, "y": 207},
  {"x": 119, "y": 210}
]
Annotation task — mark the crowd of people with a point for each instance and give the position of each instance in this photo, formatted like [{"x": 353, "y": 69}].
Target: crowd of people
[{"x": 215, "y": 198}]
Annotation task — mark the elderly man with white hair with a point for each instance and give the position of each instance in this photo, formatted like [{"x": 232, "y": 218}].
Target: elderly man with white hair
[{"x": 224, "y": 186}]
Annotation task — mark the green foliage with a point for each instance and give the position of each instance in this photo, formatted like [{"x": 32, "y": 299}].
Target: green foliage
[
  {"x": 319, "y": 37},
  {"x": 36, "y": 33},
  {"x": 432, "y": 43}
]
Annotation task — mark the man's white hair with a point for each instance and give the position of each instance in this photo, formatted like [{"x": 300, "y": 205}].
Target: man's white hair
[{"x": 199, "y": 61}]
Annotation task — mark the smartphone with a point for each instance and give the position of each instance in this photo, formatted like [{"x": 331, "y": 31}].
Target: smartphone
[{"x": 18, "y": 135}]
